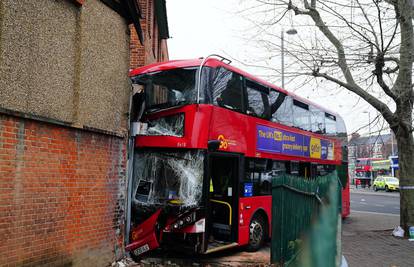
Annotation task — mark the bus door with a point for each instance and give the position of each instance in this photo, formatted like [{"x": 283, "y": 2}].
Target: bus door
[{"x": 222, "y": 208}]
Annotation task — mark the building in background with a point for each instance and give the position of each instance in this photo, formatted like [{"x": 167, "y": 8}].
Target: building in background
[
  {"x": 367, "y": 153},
  {"x": 153, "y": 44},
  {"x": 64, "y": 104},
  {"x": 375, "y": 146}
]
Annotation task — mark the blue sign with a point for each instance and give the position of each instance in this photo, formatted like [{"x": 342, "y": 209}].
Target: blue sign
[
  {"x": 248, "y": 189},
  {"x": 394, "y": 162},
  {"x": 274, "y": 140}
]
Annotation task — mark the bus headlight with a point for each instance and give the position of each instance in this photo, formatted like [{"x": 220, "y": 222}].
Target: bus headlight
[{"x": 184, "y": 221}]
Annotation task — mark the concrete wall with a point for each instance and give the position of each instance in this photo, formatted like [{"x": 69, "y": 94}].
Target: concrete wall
[{"x": 66, "y": 62}]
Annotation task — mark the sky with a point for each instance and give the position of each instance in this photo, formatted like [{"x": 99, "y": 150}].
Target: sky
[{"x": 201, "y": 28}]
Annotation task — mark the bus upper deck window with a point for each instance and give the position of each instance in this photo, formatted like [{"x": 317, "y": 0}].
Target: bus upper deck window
[
  {"x": 227, "y": 89},
  {"x": 301, "y": 115},
  {"x": 284, "y": 113},
  {"x": 317, "y": 120},
  {"x": 257, "y": 100},
  {"x": 330, "y": 122}
]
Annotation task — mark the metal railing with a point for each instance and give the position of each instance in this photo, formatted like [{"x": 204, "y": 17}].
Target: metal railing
[{"x": 305, "y": 216}]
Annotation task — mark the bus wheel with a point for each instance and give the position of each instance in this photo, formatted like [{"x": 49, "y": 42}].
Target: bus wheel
[{"x": 256, "y": 234}]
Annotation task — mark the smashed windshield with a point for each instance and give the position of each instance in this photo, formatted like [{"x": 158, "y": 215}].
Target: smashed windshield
[
  {"x": 168, "y": 178},
  {"x": 168, "y": 88}
]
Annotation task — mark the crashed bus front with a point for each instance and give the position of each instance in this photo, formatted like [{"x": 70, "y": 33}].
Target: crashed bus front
[{"x": 167, "y": 193}]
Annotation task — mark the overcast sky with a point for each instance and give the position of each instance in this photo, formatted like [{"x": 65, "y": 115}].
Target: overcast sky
[{"x": 200, "y": 28}]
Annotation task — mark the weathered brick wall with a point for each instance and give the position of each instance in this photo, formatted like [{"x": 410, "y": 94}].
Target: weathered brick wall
[
  {"x": 154, "y": 49},
  {"x": 62, "y": 194}
]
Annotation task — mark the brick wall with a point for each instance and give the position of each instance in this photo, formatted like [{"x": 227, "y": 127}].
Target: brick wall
[
  {"x": 154, "y": 49},
  {"x": 62, "y": 194}
]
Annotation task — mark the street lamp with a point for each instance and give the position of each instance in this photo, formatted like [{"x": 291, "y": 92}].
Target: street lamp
[
  {"x": 290, "y": 32},
  {"x": 369, "y": 143}
]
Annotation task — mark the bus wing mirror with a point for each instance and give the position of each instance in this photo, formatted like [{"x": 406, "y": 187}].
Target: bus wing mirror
[{"x": 213, "y": 145}]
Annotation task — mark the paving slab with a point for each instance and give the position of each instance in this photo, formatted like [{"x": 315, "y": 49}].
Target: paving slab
[{"x": 367, "y": 241}]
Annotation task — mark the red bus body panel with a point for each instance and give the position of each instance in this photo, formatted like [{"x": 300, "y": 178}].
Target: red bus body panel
[
  {"x": 237, "y": 131},
  {"x": 248, "y": 206},
  {"x": 145, "y": 234},
  {"x": 346, "y": 201}
]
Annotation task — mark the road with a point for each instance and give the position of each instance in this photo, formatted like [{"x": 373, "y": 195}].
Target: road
[{"x": 369, "y": 201}]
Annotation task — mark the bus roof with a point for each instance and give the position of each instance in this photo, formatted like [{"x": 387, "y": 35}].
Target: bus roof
[{"x": 213, "y": 62}]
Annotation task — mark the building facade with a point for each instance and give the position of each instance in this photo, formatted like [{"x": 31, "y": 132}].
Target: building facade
[
  {"x": 64, "y": 103},
  {"x": 373, "y": 147}
]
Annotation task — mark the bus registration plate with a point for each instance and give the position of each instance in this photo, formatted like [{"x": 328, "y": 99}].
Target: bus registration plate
[{"x": 141, "y": 250}]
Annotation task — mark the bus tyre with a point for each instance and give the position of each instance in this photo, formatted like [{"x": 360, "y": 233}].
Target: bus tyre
[{"x": 256, "y": 234}]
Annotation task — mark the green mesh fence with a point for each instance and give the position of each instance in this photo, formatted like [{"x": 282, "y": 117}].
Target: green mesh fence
[{"x": 305, "y": 223}]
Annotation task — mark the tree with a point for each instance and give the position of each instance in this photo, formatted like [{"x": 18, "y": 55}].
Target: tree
[{"x": 366, "y": 47}]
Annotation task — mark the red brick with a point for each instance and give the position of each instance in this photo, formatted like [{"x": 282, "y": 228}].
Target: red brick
[{"x": 46, "y": 212}]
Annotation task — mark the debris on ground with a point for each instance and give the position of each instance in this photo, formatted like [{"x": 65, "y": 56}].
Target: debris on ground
[
  {"x": 125, "y": 262},
  {"x": 398, "y": 232}
]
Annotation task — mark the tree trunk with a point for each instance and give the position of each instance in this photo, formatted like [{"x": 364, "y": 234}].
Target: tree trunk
[{"x": 406, "y": 166}]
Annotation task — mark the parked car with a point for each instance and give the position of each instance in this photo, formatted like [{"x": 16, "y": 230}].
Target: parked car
[{"x": 386, "y": 183}]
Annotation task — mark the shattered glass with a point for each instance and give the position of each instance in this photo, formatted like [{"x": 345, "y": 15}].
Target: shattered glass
[
  {"x": 170, "y": 125},
  {"x": 168, "y": 178}
]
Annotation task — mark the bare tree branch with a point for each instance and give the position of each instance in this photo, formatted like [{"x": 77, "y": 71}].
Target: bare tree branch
[{"x": 342, "y": 63}]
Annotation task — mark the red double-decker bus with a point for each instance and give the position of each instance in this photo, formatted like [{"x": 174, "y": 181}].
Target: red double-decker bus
[
  {"x": 209, "y": 139},
  {"x": 364, "y": 173}
]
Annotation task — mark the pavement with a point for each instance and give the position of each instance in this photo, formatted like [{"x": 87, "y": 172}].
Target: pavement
[
  {"x": 367, "y": 241},
  {"x": 367, "y": 237}
]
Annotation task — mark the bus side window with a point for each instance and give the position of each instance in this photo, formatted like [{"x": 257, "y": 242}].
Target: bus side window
[
  {"x": 330, "y": 121},
  {"x": 305, "y": 170},
  {"x": 258, "y": 177},
  {"x": 317, "y": 120},
  {"x": 284, "y": 113},
  {"x": 301, "y": 115},
  {"x": 257, "y": 100},
  {"x": 340, "y": 127},
  {"x": 292, "y": 168},
  {"x": 278, "y": 168},
  {"x": 248, "y": 185},
  {"x": 322, "y": 170},
  {"x": 227, "y": 90}
]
